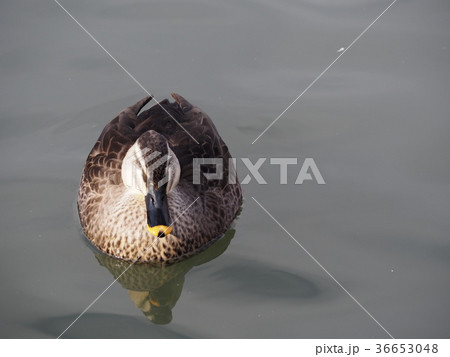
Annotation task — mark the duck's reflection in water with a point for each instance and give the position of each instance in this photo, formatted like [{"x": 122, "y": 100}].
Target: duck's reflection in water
[{"x": 155, "y": 290}]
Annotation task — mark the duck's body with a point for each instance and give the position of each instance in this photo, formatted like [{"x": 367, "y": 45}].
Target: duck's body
[{"x": 114, "y": 214}]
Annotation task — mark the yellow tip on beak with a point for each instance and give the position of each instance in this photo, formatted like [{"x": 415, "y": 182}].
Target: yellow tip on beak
[
  {"x": 159, "y": 231},
  {"x": 154, "y": 302}
]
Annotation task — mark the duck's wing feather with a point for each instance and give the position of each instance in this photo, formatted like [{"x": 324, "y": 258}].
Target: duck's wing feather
[
  {"x": 105, "y": 159},
  {"x": 180, "y": 122}
]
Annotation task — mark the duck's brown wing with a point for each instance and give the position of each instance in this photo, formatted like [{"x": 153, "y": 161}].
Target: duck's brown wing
[
  {"x": 105, "y": 159},
  {"x": 191, "y": 134}
]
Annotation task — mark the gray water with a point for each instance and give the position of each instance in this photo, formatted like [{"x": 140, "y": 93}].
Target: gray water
[{"x": 376, "y": 124}]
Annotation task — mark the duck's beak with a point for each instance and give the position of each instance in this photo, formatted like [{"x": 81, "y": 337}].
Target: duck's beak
[{"x": 158, "y": 219}]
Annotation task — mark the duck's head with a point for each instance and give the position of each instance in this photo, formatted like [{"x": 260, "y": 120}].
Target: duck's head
[{"x": 150, "y": 168}]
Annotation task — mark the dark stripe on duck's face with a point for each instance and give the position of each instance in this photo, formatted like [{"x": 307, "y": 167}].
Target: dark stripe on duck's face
[{"x": 158, "y": 218}]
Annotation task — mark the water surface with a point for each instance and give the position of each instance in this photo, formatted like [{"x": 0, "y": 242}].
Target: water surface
[{"x": 376, "y": 125}]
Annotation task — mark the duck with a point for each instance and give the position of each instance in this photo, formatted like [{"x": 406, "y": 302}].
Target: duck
[{"x": 149, "y": 191}]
